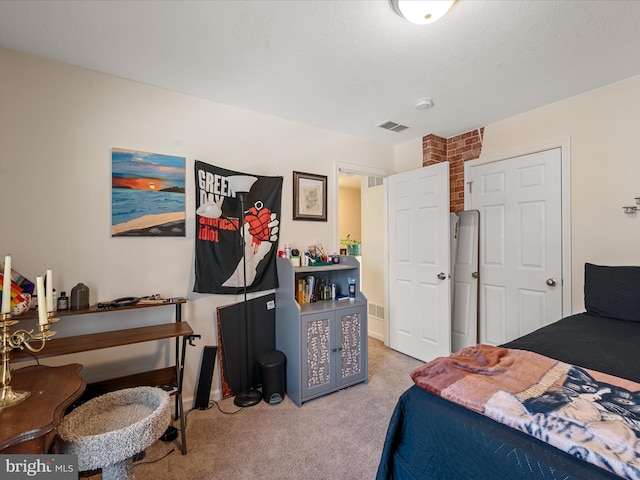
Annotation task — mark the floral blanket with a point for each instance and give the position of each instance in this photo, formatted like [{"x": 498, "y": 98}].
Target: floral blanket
[{"x": 591, "y": 415}]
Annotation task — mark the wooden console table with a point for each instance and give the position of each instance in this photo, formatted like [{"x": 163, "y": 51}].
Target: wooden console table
[
  {"x": 169, "y": 377},
  {"x": 30, "y": 426}
]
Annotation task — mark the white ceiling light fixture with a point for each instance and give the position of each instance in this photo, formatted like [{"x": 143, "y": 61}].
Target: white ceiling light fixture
[{"x": 421, "y": 11}]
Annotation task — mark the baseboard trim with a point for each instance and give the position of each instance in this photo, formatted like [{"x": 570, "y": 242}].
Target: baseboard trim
[
  {"x": 376, "y": 335},
  {"x": 189, "y": 402}
]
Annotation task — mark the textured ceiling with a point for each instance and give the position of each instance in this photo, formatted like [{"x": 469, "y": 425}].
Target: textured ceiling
[{"x": 345, "y": 66}]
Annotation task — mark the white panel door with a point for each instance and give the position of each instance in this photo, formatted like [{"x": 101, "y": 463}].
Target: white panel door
[
  {"x": 419, "y": 293},
  {"x": 520, "y": 204},
  {"x": 464, "y": 328}
]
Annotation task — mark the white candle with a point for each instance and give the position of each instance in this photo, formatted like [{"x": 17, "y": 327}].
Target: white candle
[
  {"x": 6, "y": 286},
  {"x": 42, "y": 307},
  {"x": 49, "y": 291}
]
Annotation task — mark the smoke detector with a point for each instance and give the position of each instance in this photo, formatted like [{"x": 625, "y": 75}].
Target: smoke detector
[{"x": 424, "y": 104}]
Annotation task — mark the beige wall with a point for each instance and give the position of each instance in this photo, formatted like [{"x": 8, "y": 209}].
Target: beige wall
[
  {"x": 601, "y": 126},
  {"x": 408, "y": 156},
  {"x": 57, "y": 126},
  {"x": 349, "y": 218}
]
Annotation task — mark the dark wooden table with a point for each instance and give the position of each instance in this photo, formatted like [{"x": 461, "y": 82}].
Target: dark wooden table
[{"x": 29, "y": 427}]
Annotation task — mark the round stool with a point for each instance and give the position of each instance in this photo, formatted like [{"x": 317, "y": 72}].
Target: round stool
[{"x": 107, "y": 431}]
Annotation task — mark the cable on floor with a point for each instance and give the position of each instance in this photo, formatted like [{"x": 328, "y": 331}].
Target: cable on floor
[{"x": 156, "y": 460}]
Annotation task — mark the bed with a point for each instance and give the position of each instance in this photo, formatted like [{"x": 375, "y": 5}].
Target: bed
[{"x": 431, "y": 437}]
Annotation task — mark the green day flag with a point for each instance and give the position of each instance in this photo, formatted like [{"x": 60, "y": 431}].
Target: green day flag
[{"x": 219, "y": 249}]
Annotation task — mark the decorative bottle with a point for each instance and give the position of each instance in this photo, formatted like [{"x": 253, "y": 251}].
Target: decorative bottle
[
  {"x": 80, "y": 297},
  {"x": 63, "y": 301}
]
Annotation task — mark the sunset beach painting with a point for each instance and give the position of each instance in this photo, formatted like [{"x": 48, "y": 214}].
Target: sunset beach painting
[{"x": 147, "y": 194}]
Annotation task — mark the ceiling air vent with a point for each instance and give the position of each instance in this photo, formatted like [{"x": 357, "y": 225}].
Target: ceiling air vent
[{"x": 393, "y": 126}]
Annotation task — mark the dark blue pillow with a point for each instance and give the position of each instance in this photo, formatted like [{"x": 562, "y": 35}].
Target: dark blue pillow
[{"x": 612, "y": 292}]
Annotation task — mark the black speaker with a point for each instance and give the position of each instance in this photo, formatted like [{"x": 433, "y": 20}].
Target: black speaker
[{"x": 206, "y": 377}]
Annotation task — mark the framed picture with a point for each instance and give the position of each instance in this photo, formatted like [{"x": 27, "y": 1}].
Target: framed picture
[
  {"x": 309, "y": 197},
  {"x": 147, "y": 194}
]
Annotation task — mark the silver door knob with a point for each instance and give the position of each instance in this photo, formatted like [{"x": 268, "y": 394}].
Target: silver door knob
[
  {"x": 552, "y": 282},
  {"x": 474, "y": 275},
  {"x": 442, "y": 276}
]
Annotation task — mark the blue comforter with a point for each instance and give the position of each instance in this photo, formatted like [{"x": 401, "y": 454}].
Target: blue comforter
[{"x": 431, "y": 438}]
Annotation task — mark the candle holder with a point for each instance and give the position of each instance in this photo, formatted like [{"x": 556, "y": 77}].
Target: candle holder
[{"x": 19, "y": 339}]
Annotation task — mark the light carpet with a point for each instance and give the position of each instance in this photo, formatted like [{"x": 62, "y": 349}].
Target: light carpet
[{"x": 337, "y": 436}]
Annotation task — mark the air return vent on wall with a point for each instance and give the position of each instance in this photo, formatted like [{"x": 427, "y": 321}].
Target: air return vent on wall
[
  {"x": 374, "y": 181},
  {"x": 393, "y": 126}
]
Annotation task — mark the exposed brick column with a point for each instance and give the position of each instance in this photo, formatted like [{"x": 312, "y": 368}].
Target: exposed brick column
[
  {"x": 456, "y": 150},
  {"x": 434, "y": 150}
]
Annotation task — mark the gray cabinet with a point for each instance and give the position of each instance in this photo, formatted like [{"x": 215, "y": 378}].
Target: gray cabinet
[{"x": 325, "y": 342}]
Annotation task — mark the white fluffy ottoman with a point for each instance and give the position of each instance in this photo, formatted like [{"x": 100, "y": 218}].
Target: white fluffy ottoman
[{"x": 108, "y": 430}]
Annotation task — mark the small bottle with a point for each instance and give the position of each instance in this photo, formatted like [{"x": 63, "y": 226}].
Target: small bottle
[
  {"x": 326, "y": 292},
  {"x": 63, "y": 301},
  {"x": 55, "y": 299},
  {"x": 287, "y": 250},
  {"x": 352, "y": 288}
]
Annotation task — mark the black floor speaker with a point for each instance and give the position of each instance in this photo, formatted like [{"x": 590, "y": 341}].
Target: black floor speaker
[{"x": 206, "y": 377}]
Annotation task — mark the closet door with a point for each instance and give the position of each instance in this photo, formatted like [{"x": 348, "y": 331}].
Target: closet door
[{"x": 520, "y": 204}]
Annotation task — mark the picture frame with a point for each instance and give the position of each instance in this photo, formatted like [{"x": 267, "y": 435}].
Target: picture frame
[
  {"x": 147, "y": 194},
  {"x": 309, "y": 197}
]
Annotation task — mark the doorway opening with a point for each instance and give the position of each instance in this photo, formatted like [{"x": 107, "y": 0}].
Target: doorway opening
[{"x": 360, "y": 213}]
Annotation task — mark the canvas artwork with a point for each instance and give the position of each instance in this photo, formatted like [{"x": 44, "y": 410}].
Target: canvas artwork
[{"x": 147, "y": 194}]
